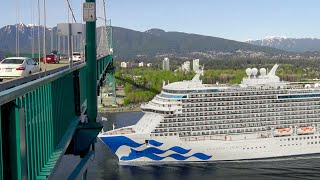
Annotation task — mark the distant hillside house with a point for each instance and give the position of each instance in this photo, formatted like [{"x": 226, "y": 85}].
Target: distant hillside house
[
  {"x": 141, "y": 64},
  {"x": 149, "y": 65},
  {"x": 125, "y": 64}
]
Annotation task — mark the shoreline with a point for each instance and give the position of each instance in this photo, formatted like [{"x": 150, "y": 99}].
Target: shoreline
[{"x": 131, "y": 108}]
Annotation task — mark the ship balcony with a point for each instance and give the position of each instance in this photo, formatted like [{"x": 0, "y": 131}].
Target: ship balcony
[{"x": 148, "y": 107}]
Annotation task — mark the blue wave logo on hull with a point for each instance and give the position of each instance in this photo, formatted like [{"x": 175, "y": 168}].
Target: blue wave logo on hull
[
  {"x": 155, "y": 143},
  {"x": 149, "y": 154},
  {"x": 176, "y": 149},
  {"x": 117, "y": 141}
]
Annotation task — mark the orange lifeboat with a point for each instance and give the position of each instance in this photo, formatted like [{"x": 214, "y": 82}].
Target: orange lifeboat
[
  {"x": 282, "y": 132},
  {"x": 306, "y": 130}
]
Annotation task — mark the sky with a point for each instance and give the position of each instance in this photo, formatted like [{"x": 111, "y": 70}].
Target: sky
[{"x": 231, "y": 19}]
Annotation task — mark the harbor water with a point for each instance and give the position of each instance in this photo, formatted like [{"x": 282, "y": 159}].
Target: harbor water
[{"x": 105, "y": 164}]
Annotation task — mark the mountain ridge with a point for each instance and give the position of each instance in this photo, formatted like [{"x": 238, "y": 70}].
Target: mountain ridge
[
  {"x": 130, "y": 44},
  {"x": 289, "y": 44}
]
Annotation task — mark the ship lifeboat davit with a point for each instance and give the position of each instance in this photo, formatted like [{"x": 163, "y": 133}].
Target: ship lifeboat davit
[
  {"x": 306, "y": 130},
  {"x": 283, "y": 132}
]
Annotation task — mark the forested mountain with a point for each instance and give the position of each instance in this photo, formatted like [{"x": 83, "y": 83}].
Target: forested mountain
[{"x": 131, "y": 44}]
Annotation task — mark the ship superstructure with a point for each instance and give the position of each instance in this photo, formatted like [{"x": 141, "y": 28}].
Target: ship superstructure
[{"x": 190, "y": 121}]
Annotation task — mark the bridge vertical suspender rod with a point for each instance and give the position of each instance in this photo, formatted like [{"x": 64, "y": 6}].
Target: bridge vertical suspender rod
[{"x": 91, "y": 58}]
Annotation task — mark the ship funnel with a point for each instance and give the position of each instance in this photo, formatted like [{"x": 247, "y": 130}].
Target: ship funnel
[{"x": 273, "y": 70}]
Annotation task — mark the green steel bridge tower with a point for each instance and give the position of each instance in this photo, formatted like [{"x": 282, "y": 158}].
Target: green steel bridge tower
[{"x": 44, "y": 116}]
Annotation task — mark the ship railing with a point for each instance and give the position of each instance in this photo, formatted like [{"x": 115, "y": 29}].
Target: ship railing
[{"x": 125, "y": 130}]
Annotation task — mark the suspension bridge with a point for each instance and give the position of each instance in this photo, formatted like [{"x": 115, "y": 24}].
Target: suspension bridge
[{"x": 52, "y": 113}]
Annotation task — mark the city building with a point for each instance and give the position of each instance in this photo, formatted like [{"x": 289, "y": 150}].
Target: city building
[
  {"x": 123, "y": 65},
  {"x": 186, "y": 66},
  {"x": 141, "y": 64},
  {"x": 166, "y": 64},
  {"x": 195, "y": 65}
]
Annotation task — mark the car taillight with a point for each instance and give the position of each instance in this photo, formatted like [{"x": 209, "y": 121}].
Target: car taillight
[{"x": 20, "y": 68}]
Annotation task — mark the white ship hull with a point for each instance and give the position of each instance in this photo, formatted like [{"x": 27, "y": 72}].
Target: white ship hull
[
  {"x": 133, "y": 148},
  {"x": 188, "y": 121}
]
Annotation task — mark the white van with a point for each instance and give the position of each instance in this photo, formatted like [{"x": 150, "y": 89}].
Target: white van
[{"x": 76, "y": 56}]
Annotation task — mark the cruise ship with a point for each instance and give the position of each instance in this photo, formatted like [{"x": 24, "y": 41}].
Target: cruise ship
[{"x": 262, "y": 117}]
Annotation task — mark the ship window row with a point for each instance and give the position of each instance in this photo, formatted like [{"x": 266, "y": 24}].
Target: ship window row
[
  {"x": 223, "y": 132},
  {"x": 165, "y": 100},
  {"x": 298, "y": 96},
  {"x": 233, "y": 98},
  {"x": 257, "y": 112},
  {"x": 172, "y": 96},
  {"x": 222, "y": 124},
  {"x": 252, "y": 119},
  {"x": 160, "y": 105},
  {"x": 254, "y": 148},
  {"x": 247, "y": 109},
  {"x": 223, "y": 93},
  {"x": 195, "y": 131},
  {"x": 157, "y": 111},
  {"x": 300, "y": 138},
  {"x": 296, "y": 91},
  {"x": 254, "y": 113},
  {"x": 190, "y": 91},
  {"x": 274, "y": 100},
  {"x": 269, "y": 125},
  {"x": 242, "y": 93},
  {"x": 250, "y": 93},
  {"x": 308, "y": 143},
  {"x": 244, "y": 123},
  {"x": 257, "y": 104},
  {"x": 217, "y": 131},
  {"x": 240, "y": 118},
  {"x": 237, "y": 112}
]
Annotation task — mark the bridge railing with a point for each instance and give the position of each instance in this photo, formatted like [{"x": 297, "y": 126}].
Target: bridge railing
[
  {"x": 1, "y": 156},
  {"x": 38, "y": 120},
  {"x": 102, "y": 65}
]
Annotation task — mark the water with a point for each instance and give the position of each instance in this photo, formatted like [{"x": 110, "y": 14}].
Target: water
[{"x": 105, "y": 165}]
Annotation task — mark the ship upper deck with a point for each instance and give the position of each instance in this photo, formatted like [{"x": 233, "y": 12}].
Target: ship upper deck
[{"x": 251, "y": 83}]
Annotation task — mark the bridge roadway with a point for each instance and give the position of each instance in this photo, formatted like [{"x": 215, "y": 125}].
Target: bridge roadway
[
  {"x": 49, "y": 66},
  {"x": 50, "y": 69}
]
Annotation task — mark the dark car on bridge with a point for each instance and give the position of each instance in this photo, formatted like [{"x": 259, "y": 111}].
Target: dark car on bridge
[{"x": 52, "y": 58}]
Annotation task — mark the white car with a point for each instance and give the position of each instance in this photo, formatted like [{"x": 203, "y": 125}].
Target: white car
[
  {"x": 17, "y": 67},
  {"x": 76, "y": 56}
]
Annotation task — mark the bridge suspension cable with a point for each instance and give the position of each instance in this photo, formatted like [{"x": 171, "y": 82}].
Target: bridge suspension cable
[
  {"x": 17, "y": 28},
  {"x": 32, "y": 28},
  {"x": 70, "y": 8},
  {"x": 44, "y": 36},
  {"x": 39, "y": 45}
]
